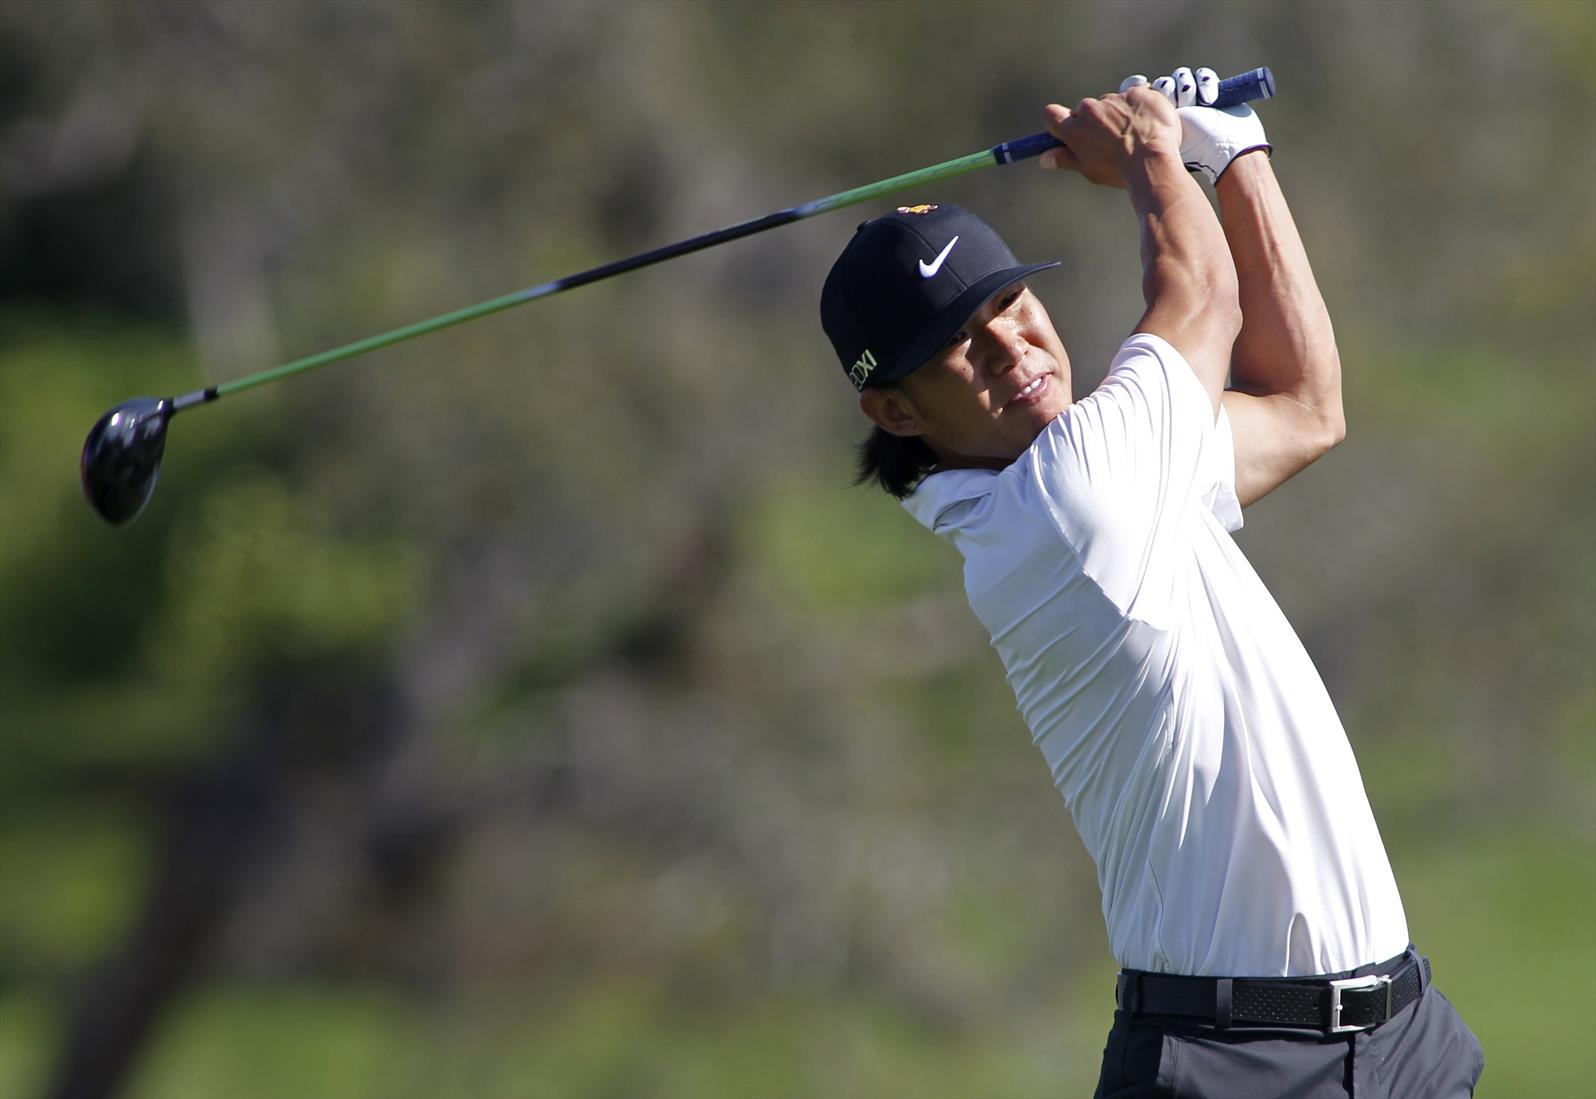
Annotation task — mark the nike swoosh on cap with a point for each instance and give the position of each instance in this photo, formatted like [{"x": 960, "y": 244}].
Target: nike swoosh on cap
[{"x": 927, "y": 270}]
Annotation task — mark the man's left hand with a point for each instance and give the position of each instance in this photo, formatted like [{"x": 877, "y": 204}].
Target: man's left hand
[{"x": 1211, "y": 137}]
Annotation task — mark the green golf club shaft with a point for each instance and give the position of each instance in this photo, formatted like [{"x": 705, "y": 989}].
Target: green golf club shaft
[
  {"x": 852, "y": 197},
  {"x": 1256, "y": 84}
]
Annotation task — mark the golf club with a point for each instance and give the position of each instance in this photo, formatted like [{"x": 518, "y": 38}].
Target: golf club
[{"x": 122, "y": 454}]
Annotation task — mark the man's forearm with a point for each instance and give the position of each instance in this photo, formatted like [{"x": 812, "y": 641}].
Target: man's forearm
[
  {"x": 1188, "y": 279},
  {"x": 1287, "y": 345}
]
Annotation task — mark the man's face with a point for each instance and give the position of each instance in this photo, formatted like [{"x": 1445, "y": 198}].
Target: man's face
[{"x": 989, "y": 393}]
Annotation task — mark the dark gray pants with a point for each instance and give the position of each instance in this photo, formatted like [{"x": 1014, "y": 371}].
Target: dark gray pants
[{"x": 1425, "y": 1051}]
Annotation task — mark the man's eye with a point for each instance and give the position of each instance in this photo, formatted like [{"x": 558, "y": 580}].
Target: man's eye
[
  {"x": 1008, "y": 301},
  {"x": 958, "y": 338}
]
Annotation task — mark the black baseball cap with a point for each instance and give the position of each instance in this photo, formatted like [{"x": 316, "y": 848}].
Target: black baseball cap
[{"x": 906, "y": 283}]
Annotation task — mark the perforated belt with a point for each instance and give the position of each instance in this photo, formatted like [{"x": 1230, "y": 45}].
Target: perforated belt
[{"x": 1331, "y": 1005}]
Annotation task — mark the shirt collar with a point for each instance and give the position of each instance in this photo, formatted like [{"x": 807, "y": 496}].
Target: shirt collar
[{"x": 940, "y": 492}]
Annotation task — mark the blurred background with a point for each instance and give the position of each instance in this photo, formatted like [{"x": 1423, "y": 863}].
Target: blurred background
[{"x": 535, "y": 709}]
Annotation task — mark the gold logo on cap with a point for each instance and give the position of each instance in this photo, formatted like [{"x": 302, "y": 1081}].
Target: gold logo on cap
[{"x": 922, "y": 209}]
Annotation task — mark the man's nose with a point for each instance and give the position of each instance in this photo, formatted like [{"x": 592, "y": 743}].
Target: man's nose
[{"x": 1005, "y": 348}]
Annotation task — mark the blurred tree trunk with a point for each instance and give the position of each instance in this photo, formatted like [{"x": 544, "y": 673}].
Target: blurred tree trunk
[
  {"x": 344, "y": 721},
  {"x": 221, "y": 821}
]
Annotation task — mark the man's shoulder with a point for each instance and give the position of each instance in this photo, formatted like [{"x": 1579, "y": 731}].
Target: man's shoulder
[
  {"x": 995, "y": 502},
  {"x": 1145, "y": 363},
  {"x": 942, "y": 497}
]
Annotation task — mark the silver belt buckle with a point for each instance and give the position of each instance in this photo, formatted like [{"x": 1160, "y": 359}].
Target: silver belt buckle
[{"x": 1355, "y": 984}]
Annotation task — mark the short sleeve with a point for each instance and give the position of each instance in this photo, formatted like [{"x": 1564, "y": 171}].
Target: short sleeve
[
  {"x": 1129, "y": 471},
  {"x": 1220, "y": 495}
]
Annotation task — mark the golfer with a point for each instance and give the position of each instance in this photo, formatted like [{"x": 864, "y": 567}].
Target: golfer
[{"x": 1246, "y": 891}]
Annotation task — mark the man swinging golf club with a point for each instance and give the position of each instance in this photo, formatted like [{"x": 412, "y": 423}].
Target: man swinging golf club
[{"x": 1246, "y": 890}]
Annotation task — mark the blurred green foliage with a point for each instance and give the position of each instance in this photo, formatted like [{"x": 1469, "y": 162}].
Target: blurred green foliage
[{"x": 536, "y": 710}]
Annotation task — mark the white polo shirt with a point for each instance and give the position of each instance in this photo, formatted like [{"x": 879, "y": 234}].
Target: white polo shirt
[{"x": 1183, "y": 721}]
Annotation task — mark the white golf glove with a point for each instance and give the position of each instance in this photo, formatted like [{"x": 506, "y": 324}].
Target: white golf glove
[{"x": 1210, "y": 137}]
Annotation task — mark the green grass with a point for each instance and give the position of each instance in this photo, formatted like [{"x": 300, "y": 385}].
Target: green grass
[
  {"x": 1508, "y": 922},
  {"x": 620, "y": 1039},
  {"x": 27, "y": 1042}
]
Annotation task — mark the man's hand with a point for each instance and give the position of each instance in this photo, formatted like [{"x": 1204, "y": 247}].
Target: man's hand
[
  {"x": 1210, "y": 138},
  {"x": 1132, "y": 140},
  {"x": 1101, "y": 137}
]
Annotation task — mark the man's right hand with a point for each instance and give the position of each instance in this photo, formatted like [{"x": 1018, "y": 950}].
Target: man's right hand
[
  {"x": 1132, "y": 139},
  {"x": 1101, "y": 137}
]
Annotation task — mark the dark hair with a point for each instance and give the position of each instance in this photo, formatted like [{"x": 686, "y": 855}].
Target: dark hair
[{"x": 896, "y": 462}]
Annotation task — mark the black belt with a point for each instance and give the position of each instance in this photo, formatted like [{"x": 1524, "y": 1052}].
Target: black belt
[{"x": 1332, "y": 1005}]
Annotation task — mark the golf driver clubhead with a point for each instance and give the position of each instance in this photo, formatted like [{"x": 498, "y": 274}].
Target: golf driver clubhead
[{"x": 122, "y": 457}]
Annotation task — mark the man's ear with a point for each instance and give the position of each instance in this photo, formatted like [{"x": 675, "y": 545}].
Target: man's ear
[{"x": 892, "y": 411}]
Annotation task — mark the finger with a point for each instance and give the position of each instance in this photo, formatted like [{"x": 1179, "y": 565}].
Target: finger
[
  {"x": 1059, "y": 158},
  {"x": 1130, "y": 82},
  {"x": 1185, "y": 88},
  {"x": 1055, "y": 115},
  {"x": 1207, "y": 86},
  {"x": 1165, "y": 86}
]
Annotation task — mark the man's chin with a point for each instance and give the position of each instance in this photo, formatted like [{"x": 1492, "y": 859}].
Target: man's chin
[{"x": 1039, "y": 416}]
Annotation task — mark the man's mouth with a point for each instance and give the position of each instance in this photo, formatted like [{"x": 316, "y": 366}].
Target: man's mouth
[{"x": 1031, "y": 390}]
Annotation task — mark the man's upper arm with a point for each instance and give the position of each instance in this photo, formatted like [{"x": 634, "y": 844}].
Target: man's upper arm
[
  {"x": 1203, "y": 337},
  {"x": 1285, "y": 404},
  {"x": 1276, "y": 437}
]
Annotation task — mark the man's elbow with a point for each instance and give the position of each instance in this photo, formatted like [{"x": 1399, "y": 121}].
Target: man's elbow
[
  {"x": 1330, "y": 414},
  {"x": 1333, "y": 428}
]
